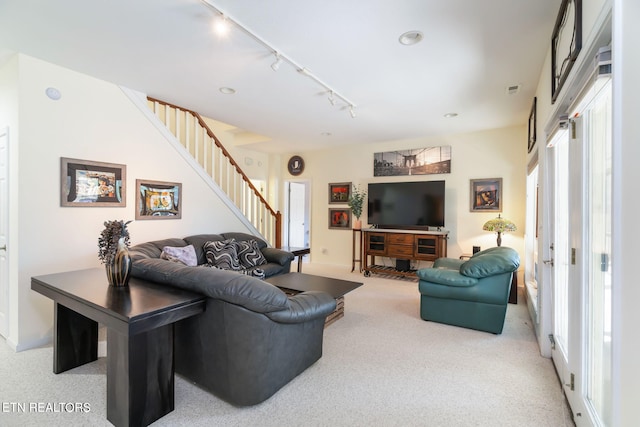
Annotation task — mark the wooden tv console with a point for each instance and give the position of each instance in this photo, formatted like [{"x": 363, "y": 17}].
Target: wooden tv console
[{"x": 403, "y": 245}]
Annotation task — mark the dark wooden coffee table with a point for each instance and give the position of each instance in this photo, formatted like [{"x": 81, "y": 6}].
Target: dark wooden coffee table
[
  {"x": 295, "y": 283},
  {"x": 139, "y": 320}
]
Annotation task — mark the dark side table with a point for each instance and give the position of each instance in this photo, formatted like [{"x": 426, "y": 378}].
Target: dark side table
[
  {"x": 139, "y": 320},
  {"x": 299, "y": 252}
]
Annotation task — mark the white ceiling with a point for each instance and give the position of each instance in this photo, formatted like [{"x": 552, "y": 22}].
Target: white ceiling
[{"x": 471, "y": 52}]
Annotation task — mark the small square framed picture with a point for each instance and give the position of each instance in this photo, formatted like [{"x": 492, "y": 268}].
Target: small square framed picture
[
  {"x": 339, "y": 192},
  {"x": 340, "y": 219},
  {"x": 486, "y": 195},
  {"x": 158, "y": 199}
]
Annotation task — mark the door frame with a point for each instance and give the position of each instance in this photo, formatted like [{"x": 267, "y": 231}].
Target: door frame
[{"x": 4, "y": 233}]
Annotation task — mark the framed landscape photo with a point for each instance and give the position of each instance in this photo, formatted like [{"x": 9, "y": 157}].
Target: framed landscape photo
[
  {"x": 340, "y": 192},
  {"x": 486, "y": 195},
  {"x": 89, "y": 183},
  {"x": 158, "y": 199},
  {"x": 340, "y": 218}
]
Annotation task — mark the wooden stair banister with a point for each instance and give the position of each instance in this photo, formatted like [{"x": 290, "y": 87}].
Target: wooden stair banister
[{"x": 266, "y": 220}]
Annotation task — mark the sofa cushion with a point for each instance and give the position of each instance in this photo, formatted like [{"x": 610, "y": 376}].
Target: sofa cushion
[
  {"x": 491, "y": 262},
  {"x": 185, "y": 254},
  {"x": 249, "y": 254},
  {"x": 222, "y": 254}
]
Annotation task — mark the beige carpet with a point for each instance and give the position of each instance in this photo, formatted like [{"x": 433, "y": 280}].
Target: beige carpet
[{"x": 382, "y": 366}]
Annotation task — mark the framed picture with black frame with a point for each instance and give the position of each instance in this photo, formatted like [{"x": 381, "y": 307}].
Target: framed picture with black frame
[
  {"x": 532, "y": 126},
  {"x": 566, "y": 43},
  {"x": 88, "y": 183}
]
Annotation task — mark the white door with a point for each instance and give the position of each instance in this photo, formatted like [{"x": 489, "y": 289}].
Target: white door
[
  {"x": 4, "y": 226},
  {"x": 564, "y": 243},
  {"x": 297, "y": 221},
  {"x": 596, "y": 330},
  {"x": 581, "y": 268},
  {"x": 558, "y": 248}
]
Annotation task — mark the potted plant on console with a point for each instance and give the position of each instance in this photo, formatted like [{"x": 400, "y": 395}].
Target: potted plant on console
[
  {"x": 113, "y": 252},
  {"x": 355, "y": 202}
]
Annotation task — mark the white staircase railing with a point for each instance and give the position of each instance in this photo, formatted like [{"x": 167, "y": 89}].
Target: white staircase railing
[{"x": 197, "y": 138}]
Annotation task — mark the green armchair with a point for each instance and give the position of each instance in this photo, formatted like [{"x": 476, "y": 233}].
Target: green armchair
[{"x": 473, "y": 293}]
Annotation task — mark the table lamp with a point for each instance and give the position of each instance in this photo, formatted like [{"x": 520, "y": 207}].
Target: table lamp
[{"x": 499, "y": 225}]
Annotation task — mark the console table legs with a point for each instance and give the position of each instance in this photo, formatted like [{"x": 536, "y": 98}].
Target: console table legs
[
  {"x": 140, "y": 380},
  {"x": 140, "y": 368},
  {"x": 76, "y": 339}
]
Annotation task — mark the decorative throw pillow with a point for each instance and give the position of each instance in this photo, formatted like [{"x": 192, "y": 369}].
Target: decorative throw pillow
[
  {"x": 249, "y": 254},
  {"x": 222, "y": 254},
  {"x": 186, "y": 255}
]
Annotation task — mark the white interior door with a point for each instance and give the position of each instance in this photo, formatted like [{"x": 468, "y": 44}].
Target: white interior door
[
  {"x": 298, "y": 214},
  {"x": 4, "y": 226}
]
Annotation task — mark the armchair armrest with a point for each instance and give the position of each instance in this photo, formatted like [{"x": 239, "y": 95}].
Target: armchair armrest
[
  {"x": 443, "y": 276},
  {"x": 304, "y": 307},
  {"x": 450, "y": 263},
  {"x": 277, "y": 255}
]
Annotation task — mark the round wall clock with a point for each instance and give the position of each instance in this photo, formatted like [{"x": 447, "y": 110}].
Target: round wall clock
[{"x": 295, "y": 165}]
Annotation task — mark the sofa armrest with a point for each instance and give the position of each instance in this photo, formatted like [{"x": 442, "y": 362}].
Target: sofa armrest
[
  {"x": 304, "y": 307},
  {"x": 443, "y": 276},
  {"x": 277, "y": 255}
]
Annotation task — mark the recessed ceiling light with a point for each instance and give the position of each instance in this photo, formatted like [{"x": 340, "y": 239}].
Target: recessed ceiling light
[
  {"x": 411, "y": 37},
  {"x": 451, "y": 115},
  {"x": 53, "y": 93},
  {"x": 227, "y": 90}
]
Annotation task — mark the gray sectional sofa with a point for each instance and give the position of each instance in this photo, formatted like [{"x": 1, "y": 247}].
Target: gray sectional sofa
[{"x": 252, "y": 338}]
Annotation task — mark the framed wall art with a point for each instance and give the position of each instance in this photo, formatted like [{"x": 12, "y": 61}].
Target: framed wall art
[
  {"x": 486, "y": 195},
  {"x": 416, "y": 161},
  {"x": 566, "y": 43},
  {"x": 90, "y": 183},
  {"x": 340, "y": 218},
  {"x": 340, "y": 192},
  {"x": 532, "y": 126},
  {"x": 158, "y": 199}
]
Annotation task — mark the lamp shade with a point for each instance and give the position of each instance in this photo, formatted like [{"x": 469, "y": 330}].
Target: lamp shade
[{"x": 499, "y": 225}]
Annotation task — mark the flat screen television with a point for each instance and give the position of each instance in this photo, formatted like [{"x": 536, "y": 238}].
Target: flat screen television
[{"x": 410, "y": 205}]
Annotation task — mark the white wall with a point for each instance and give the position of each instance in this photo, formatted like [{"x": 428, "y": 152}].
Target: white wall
[
  {"x": 93, "y": 120},
  {"x": 497, "y": 153}
]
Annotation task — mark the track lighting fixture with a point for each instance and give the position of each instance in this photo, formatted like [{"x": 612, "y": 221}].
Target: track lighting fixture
[
  {"x": 276, "y": 65},
  {"x": 223, "y": 25},
  {"x": 331, "y": 99}
]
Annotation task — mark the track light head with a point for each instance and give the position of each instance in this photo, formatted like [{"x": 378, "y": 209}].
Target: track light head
[
  {"x": 331, "y": 99},
  {"x": 221, "y": 25},
  {"x": 352, "y": 111},
  {"x": 276, "y": 65}
]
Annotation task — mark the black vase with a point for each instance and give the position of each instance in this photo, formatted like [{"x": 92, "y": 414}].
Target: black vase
[{"x": 118, "y": 271}]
